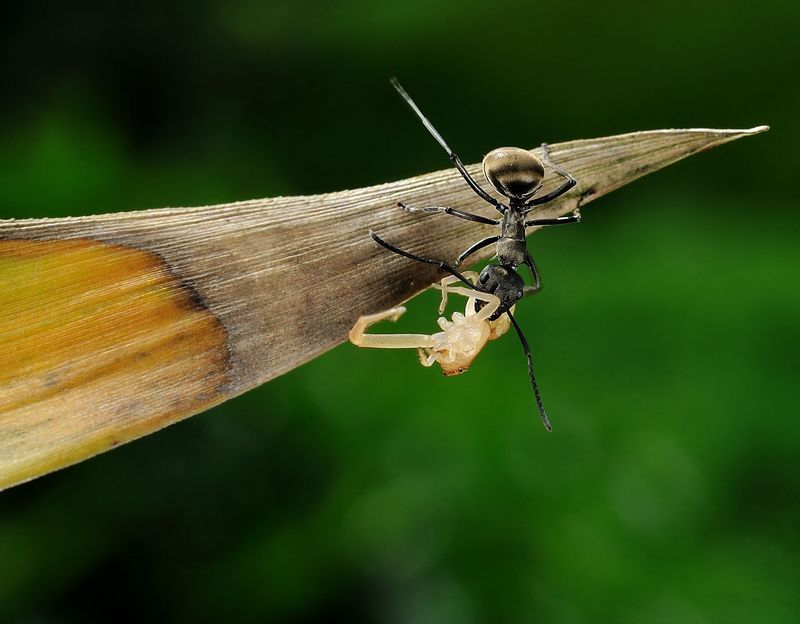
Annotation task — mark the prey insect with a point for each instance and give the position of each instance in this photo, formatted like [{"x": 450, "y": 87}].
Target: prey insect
[
  {"x": 517, "y": 175},
  {"x": 459, "y": 342}
]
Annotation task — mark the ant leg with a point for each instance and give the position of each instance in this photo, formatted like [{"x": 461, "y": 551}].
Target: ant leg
[
  {"x": 546, "y": 158},
  {"x": 450, "y": 153},
  {"x": 552, "y": 194},
  {"x": 534, "y": 385},
  {"x": 451, "y": 211},
  {"x": 476, "y": 247},
  {"x": 442, "y": 265},
  {"x": 537, "y": 281},
  {"x": 446, "y": 281},
  {"x": 360, "y": 338},
  {"x": 575, "y": 217},
  {"x": 571, "y": 182}
]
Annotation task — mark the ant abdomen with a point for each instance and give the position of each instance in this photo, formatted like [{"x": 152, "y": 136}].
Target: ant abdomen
[{"x": 513, "y": 171}]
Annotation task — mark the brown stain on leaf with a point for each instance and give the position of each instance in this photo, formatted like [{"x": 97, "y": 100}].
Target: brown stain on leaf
[{"x": 99, "y": 344}]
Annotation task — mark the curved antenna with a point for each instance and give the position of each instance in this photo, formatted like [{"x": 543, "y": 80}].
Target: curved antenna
[
  {"x": 450, "y": 153},
  {"x": 442, "y": 265},
  {"x": 534, "y": 385}
]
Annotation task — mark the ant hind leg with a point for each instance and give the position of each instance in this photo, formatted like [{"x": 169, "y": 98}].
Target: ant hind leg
[{"x": 468, "y": 216}]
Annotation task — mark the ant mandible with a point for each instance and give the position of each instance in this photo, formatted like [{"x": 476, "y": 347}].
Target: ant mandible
[{"x": 516, "y": 174}]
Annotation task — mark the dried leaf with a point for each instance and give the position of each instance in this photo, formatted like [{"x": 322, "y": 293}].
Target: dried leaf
[{"x": 114, "y": 326}]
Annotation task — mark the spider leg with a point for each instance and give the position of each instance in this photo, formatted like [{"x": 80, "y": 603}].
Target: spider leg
[
  {"x": 446, "y": 281},
  {"x": 492, "y": 301},
  {"x": 426, "y": 357},
  {"x": 534, "y": 385},
  {"x": 450, "y": 153},
  {"x": 360, "y": 338}
]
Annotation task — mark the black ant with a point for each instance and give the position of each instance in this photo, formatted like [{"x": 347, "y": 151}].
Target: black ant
[{"x": 516, "y": 174}]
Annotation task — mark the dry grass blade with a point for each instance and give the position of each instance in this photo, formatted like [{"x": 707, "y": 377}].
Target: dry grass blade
[{"x": 114, "y": 326}]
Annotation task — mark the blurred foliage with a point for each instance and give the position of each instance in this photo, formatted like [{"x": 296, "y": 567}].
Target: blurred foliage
[{"x": 363, "y": 487}]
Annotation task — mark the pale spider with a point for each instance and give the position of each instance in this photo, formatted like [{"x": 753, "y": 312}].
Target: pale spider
[{"x": 459, "y": 342}]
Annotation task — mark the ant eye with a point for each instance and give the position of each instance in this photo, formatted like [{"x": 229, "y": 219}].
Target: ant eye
[{"x": 519, "y": 294}]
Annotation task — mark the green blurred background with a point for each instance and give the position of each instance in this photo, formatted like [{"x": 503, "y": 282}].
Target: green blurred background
[{"x": 361, "y": 486}]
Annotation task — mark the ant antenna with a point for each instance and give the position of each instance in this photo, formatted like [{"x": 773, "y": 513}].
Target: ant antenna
[
  {"x": 542, "y": 413},
  {"x": 440, "y": 140},
  {"x": 442, "y": 265}
]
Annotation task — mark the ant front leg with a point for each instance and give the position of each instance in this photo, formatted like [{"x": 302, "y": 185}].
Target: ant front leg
[{"x": 537, "y": 281}]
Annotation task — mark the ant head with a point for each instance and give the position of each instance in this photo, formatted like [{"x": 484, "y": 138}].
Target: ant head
[
  {"x": 513, "y": 171},
  {"x": 504, "y": 283}
]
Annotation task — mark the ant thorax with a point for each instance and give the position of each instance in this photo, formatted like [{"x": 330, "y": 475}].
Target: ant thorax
[{"x": 512, "y": 250}]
